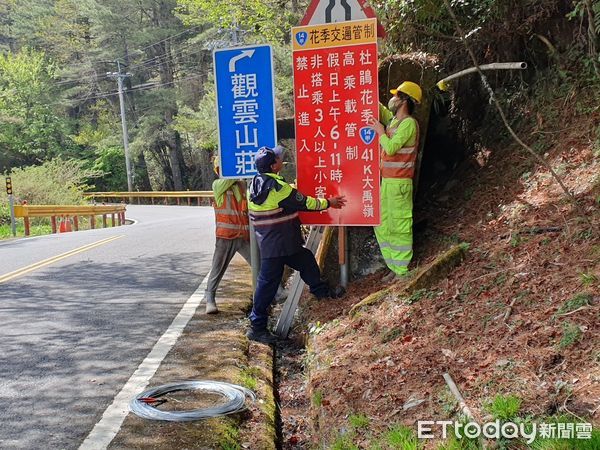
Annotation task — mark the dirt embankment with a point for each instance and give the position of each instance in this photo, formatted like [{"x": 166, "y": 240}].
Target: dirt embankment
[{"x": 520, "y": 316}]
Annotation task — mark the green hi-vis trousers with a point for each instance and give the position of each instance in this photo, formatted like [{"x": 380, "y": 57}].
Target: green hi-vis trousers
[{"x": 394, "y": 235}]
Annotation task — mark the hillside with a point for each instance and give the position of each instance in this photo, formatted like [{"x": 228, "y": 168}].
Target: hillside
[{"x": 519, "y": 318}]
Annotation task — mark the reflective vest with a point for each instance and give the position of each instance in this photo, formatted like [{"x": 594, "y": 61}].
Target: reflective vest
[
  {"x": 402, "y": 163},
  {"x": 277, "y": 229},
  {"x": 232, "y": 217}
]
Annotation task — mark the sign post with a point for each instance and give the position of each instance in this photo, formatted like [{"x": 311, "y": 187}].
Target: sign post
[
  {"x": 11, "y": 205},
  {"x": 336, "y": 92}
]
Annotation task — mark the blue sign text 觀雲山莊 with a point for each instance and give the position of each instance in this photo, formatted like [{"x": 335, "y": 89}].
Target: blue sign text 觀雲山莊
[{"x": 246, "y": 107}]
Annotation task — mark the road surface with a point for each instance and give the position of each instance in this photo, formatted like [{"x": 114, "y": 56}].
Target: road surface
[{"x": 75, "y": 328}]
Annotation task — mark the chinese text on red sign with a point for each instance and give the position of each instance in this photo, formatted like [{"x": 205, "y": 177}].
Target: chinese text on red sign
[{"x": 335, "y": 86}]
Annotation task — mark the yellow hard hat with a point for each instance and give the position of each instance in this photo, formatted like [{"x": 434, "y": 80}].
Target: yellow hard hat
[{"x": 413, "y": 90}]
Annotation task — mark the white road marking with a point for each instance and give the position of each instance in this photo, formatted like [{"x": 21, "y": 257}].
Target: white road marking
[{"x": 109, "y": 425}]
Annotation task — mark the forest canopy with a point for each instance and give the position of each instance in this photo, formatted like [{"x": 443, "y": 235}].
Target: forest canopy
[{"x": 58, "y": 99}]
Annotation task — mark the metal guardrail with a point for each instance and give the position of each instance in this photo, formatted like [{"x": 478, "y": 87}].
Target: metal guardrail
[
  {"x": 117, "y": 213},
  {"x": 165, "y": 195}
]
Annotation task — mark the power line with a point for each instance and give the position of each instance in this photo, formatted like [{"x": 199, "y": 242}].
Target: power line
[
  {"x": 134, "y": 89},
  {"x": 160, "y": 59},
  {"x": 139, "y": 49},
  {"x": 166, "y": 39}
]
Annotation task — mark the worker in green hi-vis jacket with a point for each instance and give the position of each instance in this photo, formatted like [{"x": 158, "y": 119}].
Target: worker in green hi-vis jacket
[{"x": 399, "y": 139}]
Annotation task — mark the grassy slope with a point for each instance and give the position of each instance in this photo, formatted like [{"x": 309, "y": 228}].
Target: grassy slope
[{"x": 546, "y": 352}]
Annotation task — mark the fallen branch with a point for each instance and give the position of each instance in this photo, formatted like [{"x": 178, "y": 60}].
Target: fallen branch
[
  {"x": 462, "y": 403},
  {"x": 574, "y": 311},
  {"x": 509, "y": 309},
  {"x": 459, "y": 398},
  {"x": 540, "y": 230},
  {"x": 564, "y": 407},
  {"x": 423, "y": 278},
  {"x": 489, "y": 274}
]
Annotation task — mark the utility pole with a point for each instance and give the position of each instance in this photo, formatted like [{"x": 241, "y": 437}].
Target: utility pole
[{"x": 120, "y": 77}]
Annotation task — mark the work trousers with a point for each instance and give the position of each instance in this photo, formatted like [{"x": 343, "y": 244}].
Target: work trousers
[
  {"x": 394, "y": 235},
  {"x": 225, "y": 250},
  {"x": 269, "y": 278}
]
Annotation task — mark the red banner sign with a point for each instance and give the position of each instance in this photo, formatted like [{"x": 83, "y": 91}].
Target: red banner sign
[{"x": 336, "y": 91}]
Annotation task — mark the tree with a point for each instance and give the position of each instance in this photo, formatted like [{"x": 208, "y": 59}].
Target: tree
[
  {"x": 30, "y": 129},
  {"x": 266, "y": 18}
]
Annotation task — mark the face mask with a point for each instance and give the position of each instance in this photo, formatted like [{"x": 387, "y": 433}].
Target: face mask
[{"x": 394, "y": 104}]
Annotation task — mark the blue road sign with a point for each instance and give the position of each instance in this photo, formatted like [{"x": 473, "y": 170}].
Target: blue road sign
[{"x": 246, "y": 106}]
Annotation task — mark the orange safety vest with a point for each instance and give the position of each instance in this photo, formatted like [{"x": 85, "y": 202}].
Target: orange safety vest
[
  {"x": 402, "y": 163},
  {"x": 232, "y": 217}
]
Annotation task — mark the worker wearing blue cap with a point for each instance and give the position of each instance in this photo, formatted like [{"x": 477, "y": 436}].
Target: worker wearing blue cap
[{"x": 273, "y": 210}]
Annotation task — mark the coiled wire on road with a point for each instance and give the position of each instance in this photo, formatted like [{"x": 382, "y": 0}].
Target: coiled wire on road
[{"x": 236, "y": 396}]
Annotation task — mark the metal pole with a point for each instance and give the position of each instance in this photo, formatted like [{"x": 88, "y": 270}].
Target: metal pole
[
  {"x": 254, "y": 258},
  {"x": 343, "y": 256},
  {"x": 125, "y": 135},
  {"x": 120, "y": 77},
  {"x": 13, "y": 225},
  {"x": 234, "y": 33}
]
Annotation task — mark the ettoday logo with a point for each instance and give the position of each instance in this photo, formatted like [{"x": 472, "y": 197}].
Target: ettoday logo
[{"x": 430, "y": 429}]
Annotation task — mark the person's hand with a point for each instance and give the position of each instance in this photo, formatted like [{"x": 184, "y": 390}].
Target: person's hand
[
  {"x": 337, "y": 202},
  {"x": 376, "y": 125}
]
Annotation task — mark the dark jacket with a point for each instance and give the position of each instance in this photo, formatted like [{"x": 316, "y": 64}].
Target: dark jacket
[{"x": 273, "y": 210}]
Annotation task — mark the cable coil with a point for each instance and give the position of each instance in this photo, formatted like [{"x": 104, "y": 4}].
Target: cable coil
[{"x": 236, "y": 396}]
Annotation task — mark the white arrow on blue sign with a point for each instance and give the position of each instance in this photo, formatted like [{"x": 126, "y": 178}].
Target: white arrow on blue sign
[{"x": 245, "y": 94}]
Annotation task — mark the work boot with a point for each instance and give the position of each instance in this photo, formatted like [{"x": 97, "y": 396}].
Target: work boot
[
  {"x": 332, "y": 292},
  {"x": 281, "y": 296},
  {"x": 211, "y": 307},
  {"x": 336, "y": 292},
  {"x": 391, "y": 275},
  {"x": 211, "y": 304},
  {"x": 262, "y": 336}
]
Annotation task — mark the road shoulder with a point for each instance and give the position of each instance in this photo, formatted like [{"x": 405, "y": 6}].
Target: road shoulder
[{"x": 213, "y": 347}]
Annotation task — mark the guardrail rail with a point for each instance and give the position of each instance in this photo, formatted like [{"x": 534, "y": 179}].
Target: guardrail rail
[
  {"x": 117, "y": 213},
  {"x": 165, "y": 195}
]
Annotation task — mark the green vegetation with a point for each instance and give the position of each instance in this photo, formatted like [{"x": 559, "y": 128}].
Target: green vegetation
[
  {"x": 416, "y": 296},
  {"x": 343, "y": 442},
  {"x": 249, "y": 377},
  {"x": 572, "y": 443},
  {"x": 571, "y": 335},
  {"x": 41, "y": 226},
  {"x": 317, "y": 398},
  {"x": 34, "y": 230},
  {"x": 390, "y": 334},
  {"x": 515, "y": 240},
  {"x": 588, "y": 279},
  {"x": 402, "y": 437},
  {"x": 54, "y": 182},
  {"x": 504, "y": 407},
  {"x": 229, "y": 435},
  {"x": 57, "y": 101},
  {"x": 578, "y": 301},
  {"x": 454, "y": 443},
  {"x": 395, "y": 437},
  {"x": 359, "y": 421},
  {"x": 447, "y": 401}
]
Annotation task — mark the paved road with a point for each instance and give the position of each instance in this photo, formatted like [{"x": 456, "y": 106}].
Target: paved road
[{"x": 74, "y": 331}]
